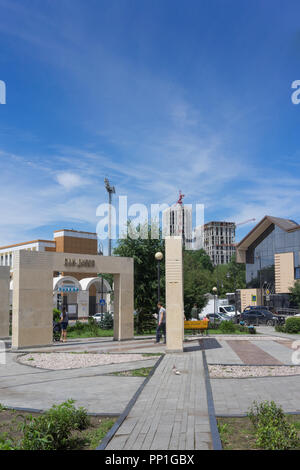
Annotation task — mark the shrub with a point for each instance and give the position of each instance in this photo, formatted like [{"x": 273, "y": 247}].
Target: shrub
[
  {"x": 107, "y": 323},
  {"x": 56, "y": 315},
  {"x": 213, "y": 325},
  {"x": 52, "y": 430},
  {"x": 79, "y": 326},
  {"x": 227, "y": 327},
  {"x": 5, "y": 442},
  {"x": 280, "y": 328},
  {"x": 92, "y": 326},
  {"x": 292, "y": 325},
  {"x": 144, "y": 322},
  {"x": 272, "y": 430}
]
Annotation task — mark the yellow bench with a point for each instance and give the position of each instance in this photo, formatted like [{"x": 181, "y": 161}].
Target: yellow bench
[{"x": 201, "y": 325}]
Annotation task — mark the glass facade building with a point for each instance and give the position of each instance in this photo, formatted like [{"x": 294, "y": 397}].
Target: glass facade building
[{"x": 260, "y": 261}]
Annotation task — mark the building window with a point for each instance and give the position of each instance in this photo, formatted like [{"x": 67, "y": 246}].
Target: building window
[{"x": 297, "y": 273}]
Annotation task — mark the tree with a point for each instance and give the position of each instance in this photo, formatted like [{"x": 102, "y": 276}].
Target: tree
[
  {"x": 229, "y": 277},
  {"x": 145, "y": 268},
  {"x": 198, "y": 279},
  {"x": 295, "y": 293}
]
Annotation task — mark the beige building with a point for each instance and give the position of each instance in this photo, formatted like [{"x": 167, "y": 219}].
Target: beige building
[{"x": 64, "y": 241}]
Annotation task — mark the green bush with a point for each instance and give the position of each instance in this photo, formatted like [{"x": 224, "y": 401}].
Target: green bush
[
  {"x": 78, "y": 326},
  {"x": 227, "y": 327},
  {"x": 272, "y": 430},
  {"x": 93, "y": 326},
  {"x": 144, "y": 322},
  {"x": 213, "y": 325},
  {"x": 53, "y": 429},
  {"x": 280, "y": 328},
  {"x": 292, "y": 325},
  {"x": 56, "y": 315},
  {"x": 5, "y": 442},
  {"x": 107, "y": 323}
]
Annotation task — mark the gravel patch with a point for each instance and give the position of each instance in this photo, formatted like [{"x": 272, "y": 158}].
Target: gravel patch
[
  {"x": 59, "y": 361},
  {"x": 221, "y": 371}
]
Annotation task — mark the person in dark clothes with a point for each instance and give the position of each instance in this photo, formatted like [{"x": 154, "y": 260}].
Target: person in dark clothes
[{"x": 64, "y": 320}]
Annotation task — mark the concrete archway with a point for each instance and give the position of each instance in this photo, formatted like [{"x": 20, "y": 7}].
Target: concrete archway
[
  {"x": 33, "y": 292},
  {"x": 60, "y": 280},
  {"x": 96, "y": 288},
  {"x": 67, "y": 298}
]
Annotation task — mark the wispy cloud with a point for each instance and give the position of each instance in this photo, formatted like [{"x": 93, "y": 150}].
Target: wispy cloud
[
  {"x": 70, "y": 181},
  {"x": 134, "y": 121}
]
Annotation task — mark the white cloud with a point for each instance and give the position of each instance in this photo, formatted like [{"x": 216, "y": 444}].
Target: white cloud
[{"x": 70, "y": 181}]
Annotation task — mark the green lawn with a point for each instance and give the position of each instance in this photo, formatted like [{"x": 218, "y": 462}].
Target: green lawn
[
  {"x": 142, "y": 372},
  {"x": 87, "y": 332},
  {"x": 217, "y": 331}
]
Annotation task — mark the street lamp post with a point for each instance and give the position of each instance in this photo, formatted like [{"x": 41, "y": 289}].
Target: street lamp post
[
  {"x": 215, "y": 290},
  {"x": 158, "y": 256},
  {"x": 111, "y": 190},
  {"x": 234, "y": 286}
]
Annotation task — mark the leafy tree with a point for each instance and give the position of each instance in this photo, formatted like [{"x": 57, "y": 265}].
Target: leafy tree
[
  {"x": 143, "y": 250},
  {"x": 198, "y": 259},
  {"x": 229, "y": 277},
  {"x": 199, "y": 274},
  {"x": 198, "y": 279},
  {"x": 295, "y": 293}
]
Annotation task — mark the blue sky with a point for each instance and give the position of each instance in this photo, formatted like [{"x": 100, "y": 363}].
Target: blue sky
[{"x": 157, "y": 95}]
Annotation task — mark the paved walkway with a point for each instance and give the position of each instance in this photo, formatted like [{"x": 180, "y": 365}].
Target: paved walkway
[
  {"x": 235, "y": 396},
  {"x": 172, "y": 410},
  {"x": 28, "y": 387}
]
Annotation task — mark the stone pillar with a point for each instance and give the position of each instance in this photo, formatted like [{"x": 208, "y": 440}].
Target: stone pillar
[
  {"x": 174, "y": 294},
  {"x": 4, "y": 301},
  {"x": 83, "y": 303},
  {"x": 32, "y": 299},
  {"x": 123, "y": 306}
]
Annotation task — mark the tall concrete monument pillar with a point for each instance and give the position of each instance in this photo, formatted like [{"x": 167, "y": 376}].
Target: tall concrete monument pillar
[
  {"x": 123, "y": 306},
  {"x": 174, "y": 294},
  {"x": 4, "y": 301},
  {"x": 32, "y": 299}
]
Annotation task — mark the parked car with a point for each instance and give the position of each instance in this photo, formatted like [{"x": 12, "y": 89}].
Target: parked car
[
  {"x": 98, "y": 317},
  {"x": 217, "y": 317},
  {"x": 256, "y": 316},
  {"x": 256, "y": 307},
  {"x": 228, "y": 310}
]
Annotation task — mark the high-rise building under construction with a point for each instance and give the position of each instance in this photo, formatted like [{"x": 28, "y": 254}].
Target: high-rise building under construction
[{"x": 219, "y": 241}]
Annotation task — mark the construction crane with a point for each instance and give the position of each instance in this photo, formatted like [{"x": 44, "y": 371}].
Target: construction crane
[
  {"x": 245, "y": 222},
  {"x": 181, "y": 196}
]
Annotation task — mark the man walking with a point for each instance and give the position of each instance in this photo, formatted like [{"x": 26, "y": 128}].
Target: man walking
[
  {"x": 161, "y": 326},
  {"x": 194, "y": 312}
]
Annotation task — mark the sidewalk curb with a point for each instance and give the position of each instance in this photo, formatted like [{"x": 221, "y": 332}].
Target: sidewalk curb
[{"x": 216, "y": 440}]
